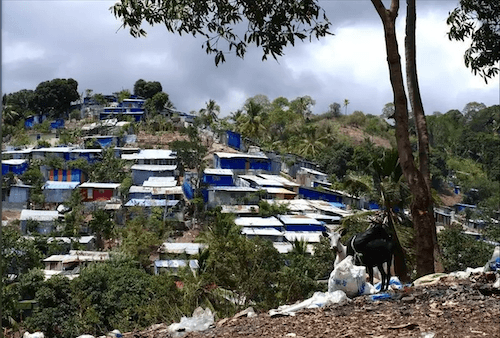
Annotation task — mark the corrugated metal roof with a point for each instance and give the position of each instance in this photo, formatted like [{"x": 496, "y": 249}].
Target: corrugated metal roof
[
  {"x": 58, "y": 185},
  {"x": 286, "y": 182},
  {"x": 97, "y": 185},
  {"x": 211, "y": 171},
  {"x": 240, "y": 209},
  {"x": 142, "y": 202},
  {"x": 233, "y": 189},
  {"x": 258, "y": 222},
  {"x": 274, "y": 190},
  {"x": 240, "y": 155},
  {"x": 320, "y": 217},
  {"x": 81, "y": 151},
  {"x": 39, "y": 215},
  {"x": 261, "y": 232},
  {"x": 308, "y": 236},
  {"x": 179, "y": 248},
  {"x": 177, "y": 263},
  {"x": 54, "y": 149},
  {"x": 160, "y": 182},
  {"x": 79, "y": 256},
  {"x": 312, "y": 171},
  {"x": 298, "y": 219},
  {"x": 150, "y": 154},
  {"x": 153, "y": 167},
  {"x": 328, "y": 207},
  {"x": 14, "y": 162},
  {"x": 297, "y": 205},
  {"x": 261, "y": 181}
]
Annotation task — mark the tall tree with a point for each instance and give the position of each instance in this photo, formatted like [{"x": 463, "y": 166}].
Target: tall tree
[
  {"x": 479, "y": 21},
  {"x": 54, "y": 97},
  {"x": 272, "y": 26},
  {"x": 421, "y": 207},
  {"x": 147, "y": 89}
]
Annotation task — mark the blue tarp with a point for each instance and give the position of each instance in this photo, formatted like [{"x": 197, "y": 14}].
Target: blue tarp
[{"x": 188, "y": 190}]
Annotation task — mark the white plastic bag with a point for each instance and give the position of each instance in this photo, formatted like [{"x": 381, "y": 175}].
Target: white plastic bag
[
  {"x": 200, "y": 321},
  {"x": 350, "y": 278},
  {"x": 319, "y": 299},
  {"x": 37, "y": 334}
]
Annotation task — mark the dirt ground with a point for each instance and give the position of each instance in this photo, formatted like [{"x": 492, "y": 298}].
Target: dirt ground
[{"x": 451, "y": 308}]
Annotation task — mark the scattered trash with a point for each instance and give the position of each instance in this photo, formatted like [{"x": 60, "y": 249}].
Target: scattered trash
[
  {"x": 200, "y": 321},
  {"x": 86, "y": 336},
  {"x": 381, "y": 296},
  {"x": 37, "y": 334},
  {"x": 319, "y": 299},
  {"x": 429, "y": 279},
  {"x": 428, "y": 334},
  {"x": 249, "y": 312},
  {"x": 115, "y": 334},
  {"x": 350, "y": 278},
  {"x": 494, "y": 263},
  {"x": 394, "y": 283},
  {"x": 466, "y": 274}
]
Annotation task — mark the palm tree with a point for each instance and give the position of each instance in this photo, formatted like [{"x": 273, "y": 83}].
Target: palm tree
[
  {"x": 311, "y": 144},
  {"x": 250, "y": 124},
  {"x": 211, "y": 111},
  {"x": 346, "y": 103}
]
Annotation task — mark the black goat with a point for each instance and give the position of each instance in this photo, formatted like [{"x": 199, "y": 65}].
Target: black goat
[{"x": 374, "y": 247}]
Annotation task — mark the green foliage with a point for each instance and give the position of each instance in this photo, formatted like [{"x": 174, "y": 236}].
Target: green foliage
[
  {"x": 54, "y": 97},
  {"x": 148, "y": 89},
  {"x": 478, "y": 21},
  {"x": 54, "y": 162},
  {"x": 55, "y": 314},
  {"x": 69, "y": 136},
  {"x": 109, "y": 170},
  {"x": 272, "y": 25},
  {"x": 267, "y": 210},
  {"x": 30, "y": 282},
  {"x": 460, "y": 251}
]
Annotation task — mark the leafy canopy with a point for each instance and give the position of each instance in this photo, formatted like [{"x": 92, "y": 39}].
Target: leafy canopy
[{"x": 271, "y": 25}]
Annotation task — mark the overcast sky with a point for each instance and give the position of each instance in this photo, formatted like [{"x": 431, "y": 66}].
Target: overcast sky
[{"x": 44, "y": 40}]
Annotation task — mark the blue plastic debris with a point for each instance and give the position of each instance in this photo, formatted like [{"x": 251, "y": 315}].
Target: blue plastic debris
[
  {"x": 381, "y": 296},
  {"x": 394, "y": 283}
]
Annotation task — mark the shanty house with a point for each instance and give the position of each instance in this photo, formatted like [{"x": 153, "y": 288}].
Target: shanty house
[
  {"x": 58, "y": 192},
  {"x": 241, "y": 163},
  {"x": 45, "y": 220},
  {"x": 17, "y": 167},
  {"x": 99, "y": 191},
  {"x": 218, "y": 177}
]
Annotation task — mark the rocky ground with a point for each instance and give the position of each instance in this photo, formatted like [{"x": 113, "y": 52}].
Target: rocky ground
[{"x": 450, "y": 308}]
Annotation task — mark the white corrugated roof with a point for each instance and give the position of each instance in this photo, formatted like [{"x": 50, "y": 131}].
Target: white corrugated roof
[
  {"x": 240, "y": 155},
  {"x": 211, "y": 171},
  {"x": 176, "y": 263},
  {"x": 179, "y": 248},
  {"x": 308, "y": 236},
  {"x": 240, "y": 209},
  {"x": 261, "y": 232},
  {"x": 261, "y": 181},
  {"x": 14, "y": 162},
  {"x": 153, "y": 167},
  {"x": 54, "y": 149},
  {"x": 160, "y": 182},
  {"x": 258, "y": 222},
  {"x": 150, "y": 154},
  {"x": 232, "y": 188},
  {"x": 275, "y": 190},
  {"x": 312, "y": 171},
  {"x": 39, "y": 215},
  {"x": 283, "y": 180},
  {"x": 97, "y": 185},
  {"x": 298, "y": 219},
  {"x": 297, "y": 205}
]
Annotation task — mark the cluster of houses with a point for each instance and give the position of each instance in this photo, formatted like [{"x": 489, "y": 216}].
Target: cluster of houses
[{"x": 236, "y": 181}]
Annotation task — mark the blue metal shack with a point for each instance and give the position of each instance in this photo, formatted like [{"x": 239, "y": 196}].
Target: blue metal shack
[
  {"x": 58, "y": 192},
  {"x": 218, "y": 177},
  {"x": 313, "y": 194},
  {"x": 233, "y": 139},
  {"x": 301, "y": 223},
  {"x": 242, "y": 162},
  {"x": 17, "y": 167}
]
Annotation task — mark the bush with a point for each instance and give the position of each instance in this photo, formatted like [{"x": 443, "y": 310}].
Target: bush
[{"x": 460, "y": 251}]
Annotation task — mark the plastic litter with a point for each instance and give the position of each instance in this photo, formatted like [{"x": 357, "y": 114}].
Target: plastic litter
[
  {"x": 319, "y": 299},
  {"x": 494, "y": 263},
  {"x": 394, "y": 283},
  {"x": 466, "y": 274},
  {"x": 86, "y": 336},
  {"x": 428, "y": 334},
  {"x": 200, "y": 321},
  {"x": 350, "y": 278},
  {"x": 37, "y": 334},
  {"x": 381, "y": 296},
  {"x": 115, "y": 334}
]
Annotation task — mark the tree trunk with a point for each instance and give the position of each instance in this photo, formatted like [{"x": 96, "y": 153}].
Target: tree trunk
[
  {"x": 421, "y": 208},
  {"x": 419, "y": 115}
]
